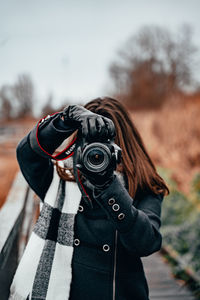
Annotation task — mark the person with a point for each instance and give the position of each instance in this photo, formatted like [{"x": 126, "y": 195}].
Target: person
[{"x": 93, "y": 228}]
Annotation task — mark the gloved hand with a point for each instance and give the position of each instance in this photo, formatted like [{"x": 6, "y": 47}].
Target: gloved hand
[
  {"x": 92, "y": 125},
  {"x": 99, "y": 180}
]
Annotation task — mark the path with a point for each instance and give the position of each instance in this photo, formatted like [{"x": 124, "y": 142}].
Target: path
[{"x": 162, "y": 284}]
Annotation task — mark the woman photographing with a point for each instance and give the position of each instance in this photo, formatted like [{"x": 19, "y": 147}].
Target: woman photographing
[{"x": 93, "y": 227}]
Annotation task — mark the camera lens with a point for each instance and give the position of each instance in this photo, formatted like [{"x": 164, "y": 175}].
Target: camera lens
[{"x": 95, "y": 157}]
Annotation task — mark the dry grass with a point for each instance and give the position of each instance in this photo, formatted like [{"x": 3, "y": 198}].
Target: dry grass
[{"x": 172, "y": 137}]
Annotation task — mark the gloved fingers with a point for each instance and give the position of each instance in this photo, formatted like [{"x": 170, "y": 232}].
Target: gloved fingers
[
  {"x": 92, "y": 127},
  {"x": 96, "y": 179},
  {"x": 110, "y": 127},
  {"x": 100, "y": 124},
  {"x": 83, "y": 171},
  {"x": 96, "y": 127},
  {"x": 84, "y": 127},
  {"x": 101, "y": 127},
  {"x": 87, "y": 174}
]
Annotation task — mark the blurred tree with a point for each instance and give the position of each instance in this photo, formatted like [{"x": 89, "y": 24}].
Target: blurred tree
[
  {"x": 6, "y": 107},
  {"x": 152, "y": 65},
  {"x": 23, "y": 91},
  {"x": 48, "y": 107}
]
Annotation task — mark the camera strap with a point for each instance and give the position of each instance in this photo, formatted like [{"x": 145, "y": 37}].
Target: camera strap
[{"x": 85, "y": 195}]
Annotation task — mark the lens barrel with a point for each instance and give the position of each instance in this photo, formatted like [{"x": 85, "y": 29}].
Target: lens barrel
[{"x": 96, "y": 157}]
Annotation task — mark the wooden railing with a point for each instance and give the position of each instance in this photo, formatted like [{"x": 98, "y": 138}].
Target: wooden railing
[{"x": 17, "y": 218}]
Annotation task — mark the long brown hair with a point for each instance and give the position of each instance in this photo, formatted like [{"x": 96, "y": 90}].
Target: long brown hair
[{"x": 136, "y": 163}]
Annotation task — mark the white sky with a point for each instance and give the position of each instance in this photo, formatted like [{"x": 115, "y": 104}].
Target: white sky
[{"x": 67, "y": 46}]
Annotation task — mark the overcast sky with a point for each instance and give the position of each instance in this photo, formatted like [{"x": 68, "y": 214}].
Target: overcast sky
[{"x": 67, "y": 46}]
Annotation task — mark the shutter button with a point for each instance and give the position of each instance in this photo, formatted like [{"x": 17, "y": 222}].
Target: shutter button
[
  {"x": 76, "y": 242},
  {"x": 80, "y": 208},
  {"x": 115, "y": 207},
  {"x": 111, "y": 201},
  {"x": 106, "y": 248},
  {"x": 121, "y": 216}
]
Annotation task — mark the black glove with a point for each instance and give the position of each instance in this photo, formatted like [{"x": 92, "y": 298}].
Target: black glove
[
  {"x": 98, "y": 180},
  {"x": 92, "y": 125}
]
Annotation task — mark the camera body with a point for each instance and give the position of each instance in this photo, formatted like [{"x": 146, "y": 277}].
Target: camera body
[{"x": 97, "y": 156}]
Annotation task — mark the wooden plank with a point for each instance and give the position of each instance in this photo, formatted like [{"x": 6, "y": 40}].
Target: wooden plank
[
  {"x": 162, "y": 284},
  {"x": 30, "y": 212},
  {"x": 11, "y": 215}
]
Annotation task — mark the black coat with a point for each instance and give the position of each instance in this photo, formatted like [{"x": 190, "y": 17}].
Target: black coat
[{"x": 107, "y": 248}]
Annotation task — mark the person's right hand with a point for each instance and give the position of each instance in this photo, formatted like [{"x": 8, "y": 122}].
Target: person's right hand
[{"x": 92, "y": 125}]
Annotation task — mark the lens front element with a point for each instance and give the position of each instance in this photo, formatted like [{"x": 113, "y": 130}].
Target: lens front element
[{"x": 96, "y": 157}]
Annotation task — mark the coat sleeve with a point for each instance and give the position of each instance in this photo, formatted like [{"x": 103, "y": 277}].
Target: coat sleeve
[
  {"x": 34, "y": 152},
  {"x": 37, "y": 170},
  {"x": 138, "y": 227}
]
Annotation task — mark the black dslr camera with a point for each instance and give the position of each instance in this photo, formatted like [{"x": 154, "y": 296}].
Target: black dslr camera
[{"x": 97, "y": 157}]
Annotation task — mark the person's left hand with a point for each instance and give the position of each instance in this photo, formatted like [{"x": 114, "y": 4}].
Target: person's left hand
[{"x": 99, "y": 180}]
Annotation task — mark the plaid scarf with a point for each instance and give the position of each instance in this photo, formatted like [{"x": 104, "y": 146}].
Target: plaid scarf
[{"x": 44, "y": 271}]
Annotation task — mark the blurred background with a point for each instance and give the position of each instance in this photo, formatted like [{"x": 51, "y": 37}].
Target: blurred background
[{"x": 144, "y": 53}]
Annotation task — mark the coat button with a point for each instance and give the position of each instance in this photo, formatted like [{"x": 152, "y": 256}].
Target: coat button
[
  {"x": 111, "y": 201},
  {"x": 80, "y": 208},
  {"x": 115, "y": 207},
  {"x": 106, "y": 248},
  {"x": 76, "y": 242},
  {"x": 121, "y": 216}
]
